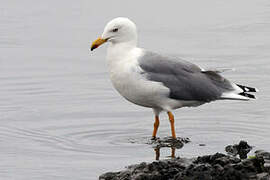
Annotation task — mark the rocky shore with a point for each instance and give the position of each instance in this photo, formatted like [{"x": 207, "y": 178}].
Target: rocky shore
[{"x": 232, "y": 166}]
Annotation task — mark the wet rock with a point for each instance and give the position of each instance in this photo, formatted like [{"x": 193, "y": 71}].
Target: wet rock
[
  {"x": 177, "y": 143},
  {"x": 218, "y": 166},
  {"x": 217, "y": 158},
  {"x": 241, "y": 149},
  {"x": 263, "y": 176},
  {"x": 209, "y": 167},
  {"x": 156, "y": 170},
  {"x": 261, "y": 154}
]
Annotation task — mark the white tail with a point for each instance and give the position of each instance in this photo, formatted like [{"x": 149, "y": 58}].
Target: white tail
[{"x": 241, "y": 93}]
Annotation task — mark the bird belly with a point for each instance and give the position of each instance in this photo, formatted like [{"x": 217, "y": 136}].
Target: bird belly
[{"x": 136, "y": 89}]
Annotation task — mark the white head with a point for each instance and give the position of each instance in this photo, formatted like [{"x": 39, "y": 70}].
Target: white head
[{"x": 118, "y": 30}]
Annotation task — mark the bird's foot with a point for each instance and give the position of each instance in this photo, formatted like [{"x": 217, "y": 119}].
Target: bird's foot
[{"x": 154, "y": 138}]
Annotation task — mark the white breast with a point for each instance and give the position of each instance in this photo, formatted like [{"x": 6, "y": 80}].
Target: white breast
[{"x": 127, "y": 79}]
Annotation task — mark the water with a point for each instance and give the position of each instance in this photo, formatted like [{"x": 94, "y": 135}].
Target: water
[{"x": 60, "y": 116}]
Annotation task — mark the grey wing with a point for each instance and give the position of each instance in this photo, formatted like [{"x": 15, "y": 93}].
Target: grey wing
[{"x": 185, "y": 80}]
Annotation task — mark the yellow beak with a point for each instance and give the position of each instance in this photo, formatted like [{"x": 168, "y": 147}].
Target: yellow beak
[{"x": 97, "y": 43}]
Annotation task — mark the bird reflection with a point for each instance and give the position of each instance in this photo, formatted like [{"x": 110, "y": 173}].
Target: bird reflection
[
  {"x": 168, "y": 142},
  {"x": 157, "y": 151}
]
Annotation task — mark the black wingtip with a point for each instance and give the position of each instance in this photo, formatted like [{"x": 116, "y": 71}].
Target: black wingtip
[
  {"x": 247, "y": 89},
  {"x": 251, "y": 96}
]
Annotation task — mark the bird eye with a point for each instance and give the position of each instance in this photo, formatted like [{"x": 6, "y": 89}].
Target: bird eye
[{"x": 115, "y": 30}]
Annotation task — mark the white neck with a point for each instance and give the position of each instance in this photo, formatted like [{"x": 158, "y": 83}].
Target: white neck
[
  {"x": 117, "y": 51},
  {"x": 121, "y": 55}
]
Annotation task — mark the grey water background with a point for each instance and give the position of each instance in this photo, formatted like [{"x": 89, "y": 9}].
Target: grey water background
[{"x": 60, "y": 117}]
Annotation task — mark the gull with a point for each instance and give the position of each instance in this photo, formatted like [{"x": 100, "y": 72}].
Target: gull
[{"x": 161, "y": 82}]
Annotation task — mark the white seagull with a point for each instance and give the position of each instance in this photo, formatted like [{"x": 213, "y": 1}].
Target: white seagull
[{"x": 161, "y": 82}]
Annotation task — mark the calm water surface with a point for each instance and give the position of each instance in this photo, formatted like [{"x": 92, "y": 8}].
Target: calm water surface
[{"x": 60, "y": 117}]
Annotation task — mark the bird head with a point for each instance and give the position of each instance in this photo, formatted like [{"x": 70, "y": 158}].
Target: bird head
[{"x": 118, "y": 30}]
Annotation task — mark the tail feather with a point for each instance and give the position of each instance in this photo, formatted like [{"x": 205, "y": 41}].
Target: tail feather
[
  {"x": 241, "y": 93},
  {"x": 251, "y": 96},
  {"x": 247, "y": 89}
]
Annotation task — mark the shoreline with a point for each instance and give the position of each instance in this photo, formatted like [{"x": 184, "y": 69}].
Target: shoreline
[{"x": 235, "y": 165}]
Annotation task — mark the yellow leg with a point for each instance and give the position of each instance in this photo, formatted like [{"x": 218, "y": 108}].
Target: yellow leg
[
  {"x": 171, "y": 118},
  {"x": 156, "y": 124}
]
